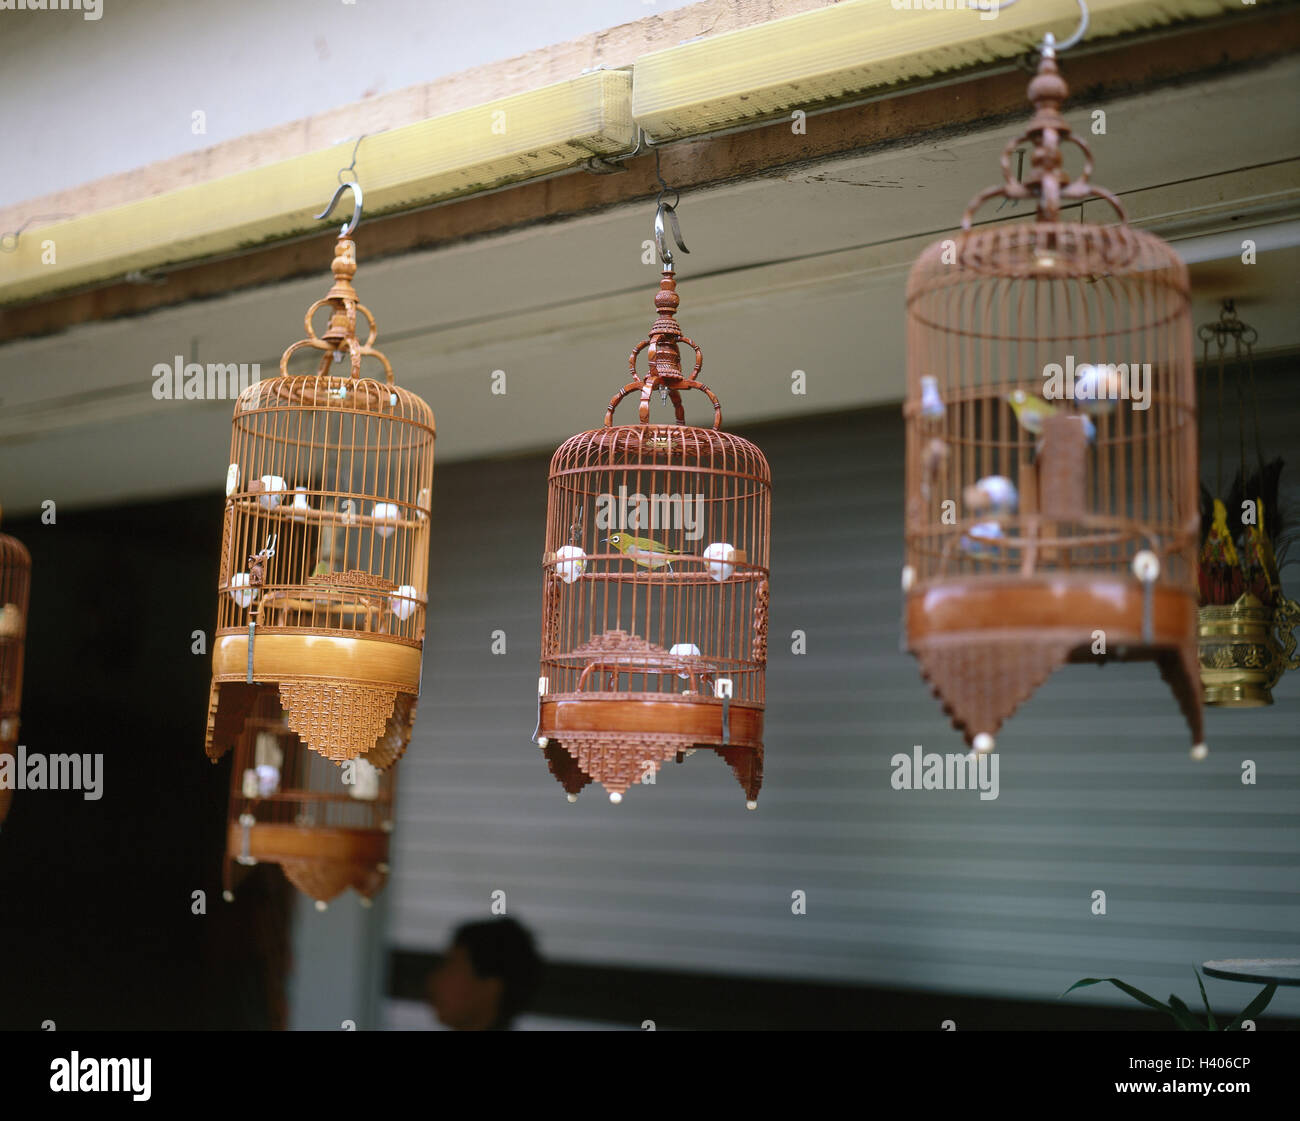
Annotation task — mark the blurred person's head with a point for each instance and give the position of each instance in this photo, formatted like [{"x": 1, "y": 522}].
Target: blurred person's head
[{"x": 487, "y": 976}]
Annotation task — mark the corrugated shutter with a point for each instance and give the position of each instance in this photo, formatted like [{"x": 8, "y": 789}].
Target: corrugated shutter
[{"x": 934, "y": 890}]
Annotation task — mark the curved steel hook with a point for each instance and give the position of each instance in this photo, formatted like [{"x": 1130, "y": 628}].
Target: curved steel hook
[
  {"x": 661, "y": 238},
  {"x": 1049, "y": 45},
  {"x": 355, "y": 187}
]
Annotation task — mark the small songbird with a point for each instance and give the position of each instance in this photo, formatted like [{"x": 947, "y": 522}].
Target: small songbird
[
  {"x": 1032, "y": 411},
  {"x": 1097, "y": 389},
  {"x": 645, "y": 551},
  {"x": 981, "y": 541},
  {"x": 995, "y": 493}
]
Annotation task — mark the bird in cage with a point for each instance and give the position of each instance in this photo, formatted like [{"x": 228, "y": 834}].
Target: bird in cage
[
  {"x": 984, "y": 539},
  {"x": 1098, "y": 389},
  {"x": 1032, "y": 414},
  {"x": 994, "y": 493},
  {"x": 645, "y": 551},
  {"x": 1078, "y": 514},
  {"x": 644, "y": 662},
  {"x": 333, "y": 470}
]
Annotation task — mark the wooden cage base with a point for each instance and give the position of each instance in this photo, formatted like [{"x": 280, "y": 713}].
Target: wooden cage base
[
  {"x": 378, "y": 729},
  {"x": 986, "y": 644},
  {"x": 319, "y": 862},
  {"x": 621, "y": 739}
]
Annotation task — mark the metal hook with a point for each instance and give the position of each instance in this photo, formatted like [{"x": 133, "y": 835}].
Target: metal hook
[
  {"x": 670, "y": 208},
  {"x": 666, "y": 254},
  {"x": 1049, "y": 47},
  {"x": 355, "y": 187}
]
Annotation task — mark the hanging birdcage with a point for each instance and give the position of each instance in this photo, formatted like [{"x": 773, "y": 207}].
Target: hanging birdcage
[
  {"x": 655, "y": 585},
  {"x": 327, "y": 827},
  {"x": 325, "y": 545},
  {"x": 1051, "y": 508},
  {"x": 1247, "y": 624},
  {"x": 15, "y": 587}
]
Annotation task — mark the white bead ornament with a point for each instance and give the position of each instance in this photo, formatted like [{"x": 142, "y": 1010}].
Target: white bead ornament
[
  {"x": 571, "y": 561},
  {"x": 720, "y": 556},
  {"x": 404, "y": 603},
  {"x": 365, "y": 781},
  {"x": 685, "y": 650},
  {"x": 1146, "y": 566},
  {"x": 1200, "y": 751},
  {"x": 931, "y": 402},
  {"x": 240, "y": 591},
  {"x": 385, "y": 512},
  {"x": 268, "y": 780},
  {"x": 272, "y": 488},
  {"x": 983, "y": 743}
]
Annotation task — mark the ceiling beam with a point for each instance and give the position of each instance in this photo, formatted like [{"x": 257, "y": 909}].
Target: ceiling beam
[{"x": 1187, "y": 55}]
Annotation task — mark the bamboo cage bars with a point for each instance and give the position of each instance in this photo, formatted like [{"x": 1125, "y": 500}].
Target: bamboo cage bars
[
  {"x": 324, "y": 557},
  {"x": 655, "y": 587},
  {"x": 1051, "y": 507},
  {"x": 327, "y": 827}
]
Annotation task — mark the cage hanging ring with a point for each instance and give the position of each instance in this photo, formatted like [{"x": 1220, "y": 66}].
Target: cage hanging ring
[{"x": 646, "y": 388}]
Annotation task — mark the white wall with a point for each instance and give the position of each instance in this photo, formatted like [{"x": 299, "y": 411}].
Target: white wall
[{"x": 88, "y": 98}]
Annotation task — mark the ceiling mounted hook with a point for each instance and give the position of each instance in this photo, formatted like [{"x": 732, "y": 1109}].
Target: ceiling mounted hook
[
  {"x": 348, "y": 227},
  {"x": 661, "y": 237},
  {"x": 669, "y": 208},
  {"x": 1049, "y": 47}
]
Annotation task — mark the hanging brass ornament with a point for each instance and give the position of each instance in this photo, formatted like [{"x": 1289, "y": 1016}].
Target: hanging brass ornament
[
  {"x": 1050, "y": 505},
  {"x": 655, "y": 583},
  {"x": 325, "y": 545},
  {"x": 1247, "y": 624},
  {"x": 15, "y": 588}
]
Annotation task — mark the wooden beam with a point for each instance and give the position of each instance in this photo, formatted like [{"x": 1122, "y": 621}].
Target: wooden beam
[{"x": 1187, "y": 56}]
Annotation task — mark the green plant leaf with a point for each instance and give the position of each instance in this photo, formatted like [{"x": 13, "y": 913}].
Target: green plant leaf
[
  {"x": 1254, "y": 1008},
  {"x": 1136, "y": 994},
  {"x": 1183, "y": 1015},
  {"x": 1209, "y": 1015}
]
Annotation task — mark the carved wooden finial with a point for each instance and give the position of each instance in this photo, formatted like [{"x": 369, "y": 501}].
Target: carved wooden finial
[{"x": 664, "y": 357}]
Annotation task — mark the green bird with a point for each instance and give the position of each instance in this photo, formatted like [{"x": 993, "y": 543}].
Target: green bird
[
  {"x": 645, "y": 551},
  {"x": 1032, "y": 411}
]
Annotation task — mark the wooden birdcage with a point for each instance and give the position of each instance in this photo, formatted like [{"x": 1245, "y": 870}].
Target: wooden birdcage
[
  {"x": 325, "y": 547},
  {"x": 15, "y": 587},
  {"x": 1051, "y": 474},
  {"x": 655, "y": 577},
  {"x": 327, "y": 827}
]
